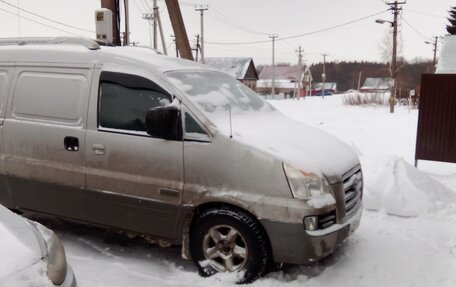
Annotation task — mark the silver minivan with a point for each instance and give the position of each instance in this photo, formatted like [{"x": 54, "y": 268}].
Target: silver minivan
[{"x": 125, "y": 138}]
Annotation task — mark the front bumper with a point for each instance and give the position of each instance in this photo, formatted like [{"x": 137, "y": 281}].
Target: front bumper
[{"x": 292, "y": 244}]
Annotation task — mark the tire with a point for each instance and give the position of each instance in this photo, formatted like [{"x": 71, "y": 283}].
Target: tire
[{"x": 225, "y": 239}]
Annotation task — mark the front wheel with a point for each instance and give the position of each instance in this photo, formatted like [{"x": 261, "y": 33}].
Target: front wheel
[{"x": 226, "y": 239}]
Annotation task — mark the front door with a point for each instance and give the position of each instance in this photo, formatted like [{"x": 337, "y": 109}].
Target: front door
[{"x": 134, "y": 181}]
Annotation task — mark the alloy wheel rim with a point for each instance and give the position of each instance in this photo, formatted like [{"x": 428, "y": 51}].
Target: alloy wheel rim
[{"x": 225, "y": 249}]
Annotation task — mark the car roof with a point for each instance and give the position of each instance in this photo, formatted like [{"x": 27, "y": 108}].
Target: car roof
[{"x": 77, "y": 53}]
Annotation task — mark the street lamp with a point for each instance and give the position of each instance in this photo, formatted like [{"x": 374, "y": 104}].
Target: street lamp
[{"x": 380, "y": 21}]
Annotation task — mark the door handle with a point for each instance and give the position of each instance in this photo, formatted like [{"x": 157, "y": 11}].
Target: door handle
[
  {"x": 98, "y": 149},
  {"x": 71, "y": 143}
]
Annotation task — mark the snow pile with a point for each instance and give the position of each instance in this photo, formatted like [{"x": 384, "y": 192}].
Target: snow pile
[{"x": 398, "y": 188}]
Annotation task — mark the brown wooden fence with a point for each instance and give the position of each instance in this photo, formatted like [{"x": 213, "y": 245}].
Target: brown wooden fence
[{"x": 436, "y": 136}]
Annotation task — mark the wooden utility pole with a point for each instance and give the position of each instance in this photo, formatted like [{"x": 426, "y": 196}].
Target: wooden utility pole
[
  {"x": 299, "y": 73},
  {"x": 177, "y": 22},
  {"x": 111, "y": 5},
  {"x": 127, "y": 24},
  {"x": 396, "y": 10},
  {"x": 175, "y": 45},
  {"x": 197, "y": 47},
  {"x": 273, "y": 37},
  {"x": 202, "y": 9},
  {"x": 154, "y": 19},
  {"x": 162, "y": 37},
  {"x": 434, "y": 43},
  {"x": 394, "y": 59},
  {"x": 323, "y": 75}
]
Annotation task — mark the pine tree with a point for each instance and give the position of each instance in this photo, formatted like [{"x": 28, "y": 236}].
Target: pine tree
[{"x": 451, "y": 28}]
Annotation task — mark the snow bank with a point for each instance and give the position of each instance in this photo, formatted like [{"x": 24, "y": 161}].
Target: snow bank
[{"x": 398, "y": 188}]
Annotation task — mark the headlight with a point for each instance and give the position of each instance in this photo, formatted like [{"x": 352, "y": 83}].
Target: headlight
[
  {"x": 56, "y": 260},
  {"x": 305, "y": 185}
]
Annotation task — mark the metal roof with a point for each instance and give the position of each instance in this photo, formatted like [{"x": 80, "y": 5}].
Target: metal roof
[
  {"x": 280, "y": 73},
  {"x": 235, "y": 66}
]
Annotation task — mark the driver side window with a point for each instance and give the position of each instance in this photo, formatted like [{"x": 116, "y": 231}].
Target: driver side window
[{"x": 124, "y": 100}]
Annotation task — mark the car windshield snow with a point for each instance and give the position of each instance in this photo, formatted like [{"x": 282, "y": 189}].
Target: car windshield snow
[{"x": 216, "y": 93}]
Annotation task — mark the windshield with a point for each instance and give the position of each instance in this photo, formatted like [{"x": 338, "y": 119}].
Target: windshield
[{"x": 217, "y": 93}]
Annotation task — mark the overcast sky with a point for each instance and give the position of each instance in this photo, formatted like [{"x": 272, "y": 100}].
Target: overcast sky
[{"x": 239, "y": 21}]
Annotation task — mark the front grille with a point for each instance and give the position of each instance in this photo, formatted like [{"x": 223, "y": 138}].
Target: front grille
[{"x": 353, "y": 190}]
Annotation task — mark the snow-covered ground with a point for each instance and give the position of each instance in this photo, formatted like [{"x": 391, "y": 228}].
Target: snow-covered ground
[{"x": 407, "y": 235}]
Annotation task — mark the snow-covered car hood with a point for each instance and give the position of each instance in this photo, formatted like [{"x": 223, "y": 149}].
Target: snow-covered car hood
[
  {"x": 306, "y": 148},
  {"x": 19, "y": 246},
  {"x": 237, "y": 111}
]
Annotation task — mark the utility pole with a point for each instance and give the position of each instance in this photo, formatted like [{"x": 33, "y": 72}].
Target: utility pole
[
  {"x": 175, "y": 45},
  {"x": 359, "y": 80},
  {"x": 161, "y": 34},
  {"x": 197, "y": 47},
  {"x": 323, "y": 75},
  {"x": 177, "y": 22},
  {"x": 202, "y": 9},
  {"x": 127, "y": 24},
  {"x": 394, "y": 6},
  {"x": 273, "y": 37},
  {"x": 154, "y": 19},
  {"x": 435, "y": 43},
  {"x": 299, "y": 72},
  {"x": 149, "y": 17},
  {"x": 395, "y": 9}
]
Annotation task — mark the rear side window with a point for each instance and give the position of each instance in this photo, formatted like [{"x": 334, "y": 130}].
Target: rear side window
[
  {"x": 54, "y": 96},
  {"x": 125, "y": 100}
]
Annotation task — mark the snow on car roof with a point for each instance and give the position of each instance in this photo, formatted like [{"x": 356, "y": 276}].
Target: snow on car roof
[{"x": 77, "y": 54}]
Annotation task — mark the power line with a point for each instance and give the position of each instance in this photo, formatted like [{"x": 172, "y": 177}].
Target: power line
[
  {"x": 39, "y": 23},
  {"x": 424, "y": 13},
  {"x": 142, "y": 10},
  {"x": 288, "y": 45},
  {"x": 413, "y": 28},
  {"x": 335, "y": 26},
  {"x": 45, "y": 18},
  {"x": 305, "y": 34},
  {"x": 147, "y": 7},
  {"x": 280, "y": 50},
  {"x": 139, "y": 9},
  {"x": 231, "y": 22}
]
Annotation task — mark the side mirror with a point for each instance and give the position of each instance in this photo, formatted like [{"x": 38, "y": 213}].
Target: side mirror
[{"x": 164, "y": 122}]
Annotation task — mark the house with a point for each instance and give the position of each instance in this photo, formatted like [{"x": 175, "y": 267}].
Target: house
[
  {"x": 285, "y": 80},
  {"x": 241, "y": 68},
  {"x": 375, "y": 85}
]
